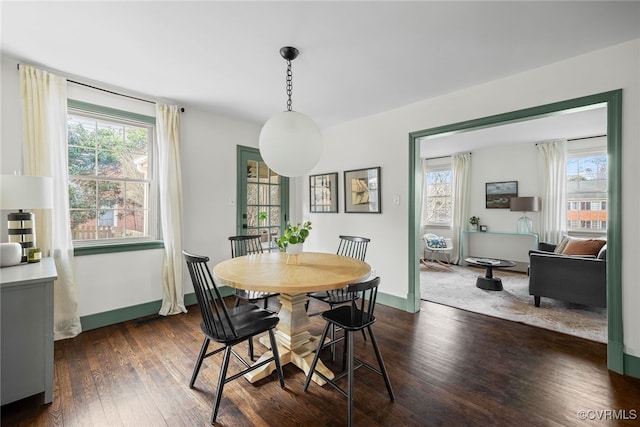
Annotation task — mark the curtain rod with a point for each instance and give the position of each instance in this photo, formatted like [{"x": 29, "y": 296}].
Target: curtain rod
[
  {"x": 580, "y": 139},
  {"x": 112, "y": 92},
  {"x": 443, "y": 157}
]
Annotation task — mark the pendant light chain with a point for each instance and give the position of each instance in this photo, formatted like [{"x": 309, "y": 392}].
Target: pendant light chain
[{"x": 289, "y": 85}]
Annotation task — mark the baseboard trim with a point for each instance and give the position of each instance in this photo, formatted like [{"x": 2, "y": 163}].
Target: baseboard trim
[
  {"x": 631, "y": 365},
  {"x": 392, "y": 301},
  {"x": 107, "y": 318}
]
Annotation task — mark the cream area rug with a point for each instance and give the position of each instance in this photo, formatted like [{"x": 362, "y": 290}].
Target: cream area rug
[{"x": 456, "y": 287}]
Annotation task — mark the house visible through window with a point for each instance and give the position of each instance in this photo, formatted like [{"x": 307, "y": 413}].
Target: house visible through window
[
  {"x": 112, "y": 191},
  {"x": 587, "y": 191},
  {"x": 438, "y": 196}
]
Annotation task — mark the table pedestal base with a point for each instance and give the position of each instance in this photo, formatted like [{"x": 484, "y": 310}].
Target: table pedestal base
[
  {"x": 489, "y": 283},
  {"x": 295, "y": 343}
]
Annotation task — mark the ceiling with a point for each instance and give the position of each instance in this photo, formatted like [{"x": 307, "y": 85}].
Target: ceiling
[
  {"x": 570, "y": 124},
  {"x": 356, "y": 58}
]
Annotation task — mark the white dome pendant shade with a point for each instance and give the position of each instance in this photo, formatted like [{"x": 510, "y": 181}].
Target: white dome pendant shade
[{"x": 290, "y": 143}]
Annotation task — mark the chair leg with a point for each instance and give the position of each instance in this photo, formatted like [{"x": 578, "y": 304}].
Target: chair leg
[
  {"x": 276, "y": 356},
  {"x": 196, "y": 369},
  {"x": 333, "y": 346},
  {"x": 316, "y": 356},
  {"x": 349, "y": 345},
  {"x": 385, "y": 375},
  {"x": 266, "y": 303},
  {"x": 251, "y": 349},
  {"x": 221, "y": 380},
  {"x": 237, "y": 303}
]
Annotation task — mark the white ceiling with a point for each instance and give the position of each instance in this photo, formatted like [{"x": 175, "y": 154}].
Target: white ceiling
[
  {"x": 573, "y": 124},
  {"x": 357, "y": 58}
]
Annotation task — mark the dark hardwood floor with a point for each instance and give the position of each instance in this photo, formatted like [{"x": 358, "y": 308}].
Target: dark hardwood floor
[{"x": 448, "y": 368}]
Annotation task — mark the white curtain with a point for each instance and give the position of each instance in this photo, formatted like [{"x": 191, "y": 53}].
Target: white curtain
[
  {"x": 554, "y": 198},
  {"x": 44, "y": 112},
  {"x": 168, "y": 126},
  {"x": 460, "y": 199},
  {"x": 423, "y": 211}
]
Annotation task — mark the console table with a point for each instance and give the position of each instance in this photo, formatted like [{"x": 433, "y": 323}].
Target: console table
[
  {"x": 508, "y": 246},
  {"x": 27, "y": 330}
]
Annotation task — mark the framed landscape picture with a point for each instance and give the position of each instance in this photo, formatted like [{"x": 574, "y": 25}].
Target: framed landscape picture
[
  {"x": 323, "y": 193},
  {"x": 499, "y": 194},
  {"x": 362, "y": 191}
]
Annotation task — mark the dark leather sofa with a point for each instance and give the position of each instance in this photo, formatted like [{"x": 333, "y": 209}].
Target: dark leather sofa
[{"x": 570, "y": 278}]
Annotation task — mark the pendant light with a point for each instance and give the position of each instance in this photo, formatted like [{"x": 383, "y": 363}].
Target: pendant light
[{"x": 290, "y": 142}]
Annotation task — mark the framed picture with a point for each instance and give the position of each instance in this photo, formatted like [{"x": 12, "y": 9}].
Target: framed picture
[
  {"x": 499, "y": 194},
  {"x": 323, "y": 193},
  {"x": 362, "y": 191}
]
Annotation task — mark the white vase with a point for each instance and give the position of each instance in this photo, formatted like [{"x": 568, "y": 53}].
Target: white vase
[
  {"x": 294, "y": 249},
  {"x": 10, "y": 254}
]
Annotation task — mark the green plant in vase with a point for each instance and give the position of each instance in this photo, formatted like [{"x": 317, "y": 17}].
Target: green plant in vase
[
  {"x": 294, "y": 235},
  {"x": 475, "y": 221}
]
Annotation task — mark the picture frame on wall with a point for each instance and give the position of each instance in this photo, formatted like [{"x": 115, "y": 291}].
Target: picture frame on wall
[
  {"x": 362, "y": 191},
  {"x": 323, "y": 193},
  {"x": 499, "y": 194}
]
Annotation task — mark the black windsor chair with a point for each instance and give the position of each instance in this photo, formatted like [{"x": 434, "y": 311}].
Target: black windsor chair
[
  {"x": 354, "y": 247},
  {"x": 356, "y": 316},
  {"x": 247, "y": 245},
  {"x": 227, "y": 326}
]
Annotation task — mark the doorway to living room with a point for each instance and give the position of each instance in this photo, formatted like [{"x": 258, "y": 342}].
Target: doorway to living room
[{"x": 612, "y": 102}]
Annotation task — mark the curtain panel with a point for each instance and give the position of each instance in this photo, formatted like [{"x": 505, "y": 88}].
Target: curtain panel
[
  {"x": 460, "y": 200},
  {"x": 168, "y": 126},
  {"x": 44, "y": 112},
  {"x": 554, "y": 197}
]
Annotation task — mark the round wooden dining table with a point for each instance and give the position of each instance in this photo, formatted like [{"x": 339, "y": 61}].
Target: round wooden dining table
[{"x": 309, "y": 272}]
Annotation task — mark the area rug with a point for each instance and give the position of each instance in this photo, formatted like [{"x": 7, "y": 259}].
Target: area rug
[{"x": 456, "y": 287}]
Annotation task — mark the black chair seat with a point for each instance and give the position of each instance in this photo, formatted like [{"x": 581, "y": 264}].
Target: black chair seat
[
  {"x": 248, "y": 320},
  {"x": 348, "y": 319}
]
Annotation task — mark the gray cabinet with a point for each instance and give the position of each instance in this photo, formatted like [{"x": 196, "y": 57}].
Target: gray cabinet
[{"x": 27, "y": 330}]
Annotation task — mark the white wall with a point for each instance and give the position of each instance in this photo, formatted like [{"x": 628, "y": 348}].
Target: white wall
[
  {"x": 382, "y": 140},
  {"x": 111, "y": 281}
]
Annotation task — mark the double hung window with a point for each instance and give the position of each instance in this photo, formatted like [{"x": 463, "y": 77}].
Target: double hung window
[
  {"x": 112, "y": 179},
  {"x": 437, "y": 200}
]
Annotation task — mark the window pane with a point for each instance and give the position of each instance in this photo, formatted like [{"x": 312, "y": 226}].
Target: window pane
[
  {"x": 587, "y": 192},
  {"x": 252, "y": 194},
  {"x": 113, "y": 158},
  {"x": 438, "y": 197},
  {"x": 275, "y": 194}
]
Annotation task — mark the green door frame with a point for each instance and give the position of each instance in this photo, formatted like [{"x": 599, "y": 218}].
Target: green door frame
[
  {"x": 613, "y": 101},
  {"x": 244, "y": 153}
]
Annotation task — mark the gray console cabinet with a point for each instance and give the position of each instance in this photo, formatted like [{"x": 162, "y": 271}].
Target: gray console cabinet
[{"x": 27, "y": 330}]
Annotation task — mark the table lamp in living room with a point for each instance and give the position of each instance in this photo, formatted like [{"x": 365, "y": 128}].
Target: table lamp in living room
[
  {"x": 524, "y": 225},
  {"x": 21, "y": 193}
]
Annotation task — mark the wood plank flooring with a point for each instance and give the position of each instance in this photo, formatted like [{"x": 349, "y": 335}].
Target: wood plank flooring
[{"x": 448, "y": 368}]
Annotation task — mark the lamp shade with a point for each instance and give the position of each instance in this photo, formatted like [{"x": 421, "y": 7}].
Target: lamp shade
[
  {"x": 525, "y": 204},
  {"x": 290, "y": 143},
  {"x": 25, "y": 192}
]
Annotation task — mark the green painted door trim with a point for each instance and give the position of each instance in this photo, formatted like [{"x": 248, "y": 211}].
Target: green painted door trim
[
  {"x": 244, "y": 153},
  {"x": 613, "y": 101}
]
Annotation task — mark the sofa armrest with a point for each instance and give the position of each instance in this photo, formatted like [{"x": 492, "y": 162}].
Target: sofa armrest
[{"x": 575, "y": 279}]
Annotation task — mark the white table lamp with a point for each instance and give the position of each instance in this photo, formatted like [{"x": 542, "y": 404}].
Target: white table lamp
[
  {"x": 524, "y": 205},
  {"x": 21, "y": 193}
]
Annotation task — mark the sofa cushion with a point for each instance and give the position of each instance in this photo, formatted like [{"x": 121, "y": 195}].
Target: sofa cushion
[
  {"x": 563, "y": 244},
  {"x": 583, "y": 247}
]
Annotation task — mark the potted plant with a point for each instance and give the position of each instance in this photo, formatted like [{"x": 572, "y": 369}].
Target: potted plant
[
  {"x": 262, "y": 217},
  {"x": 293, "y": 237},
  {"x": 475, "y": 221}
]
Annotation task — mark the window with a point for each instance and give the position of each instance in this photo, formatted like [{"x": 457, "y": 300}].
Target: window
[
  {"x": 437, "y": 206},
  {"x": 112, "y": 191},
  {"x": 587, "y": 192}
]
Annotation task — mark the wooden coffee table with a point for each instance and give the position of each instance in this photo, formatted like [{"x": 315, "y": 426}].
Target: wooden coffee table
[{"x": 488, "y": 282}]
